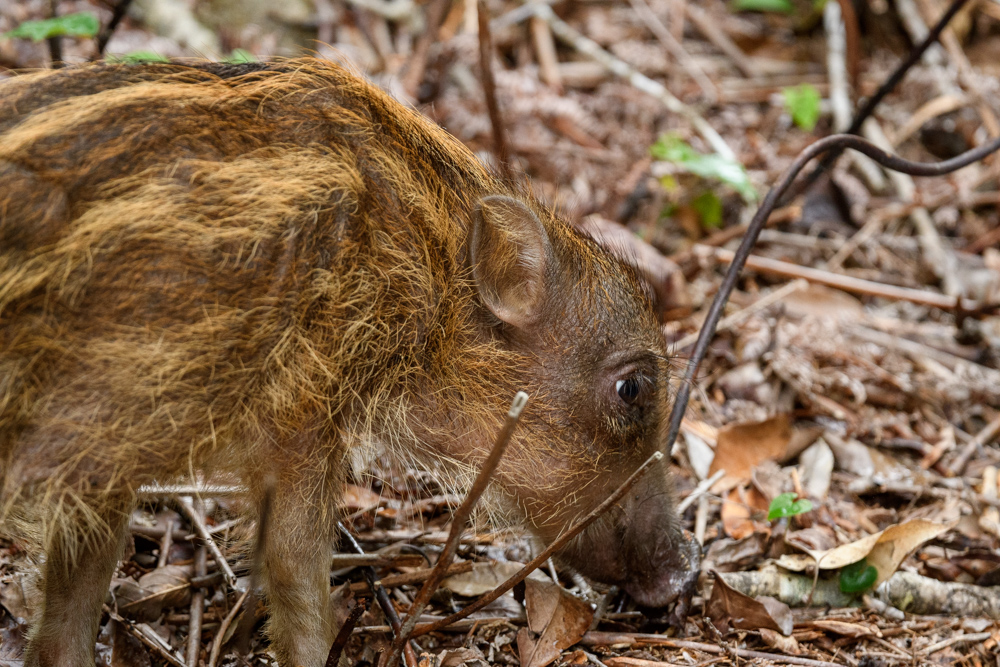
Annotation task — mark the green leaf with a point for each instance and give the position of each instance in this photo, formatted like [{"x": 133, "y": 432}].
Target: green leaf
[
  {"x": 783, "y": 6},
  {"x": 857, "y": 577},
  {"x": 240, "y": 56},
  {"x": 709, "y": 208},
  {"x": 81, "y": 24},
  {"x": 671, "y": 148},
  {"x": 138, "y": 57},
  {"x": 786, "y": 505},
  {"x": 803, "y": 103}
]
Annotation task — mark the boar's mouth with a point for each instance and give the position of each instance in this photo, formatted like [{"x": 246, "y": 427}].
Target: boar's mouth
[
  {"x": 675, "y": 578},
  {"x": 654, "y": 567}
]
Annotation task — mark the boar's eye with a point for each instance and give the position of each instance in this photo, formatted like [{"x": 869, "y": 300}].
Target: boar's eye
[{"x": 632, "y": 389}]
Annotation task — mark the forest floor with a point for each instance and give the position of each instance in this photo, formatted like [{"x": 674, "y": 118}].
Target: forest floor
[{"x": 879, "y": 405}]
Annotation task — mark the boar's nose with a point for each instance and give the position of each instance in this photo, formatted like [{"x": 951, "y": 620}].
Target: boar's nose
[{"x": 675, "y": 563}]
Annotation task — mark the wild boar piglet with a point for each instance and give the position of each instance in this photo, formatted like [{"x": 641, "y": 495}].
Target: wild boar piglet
[{"x": 268, "y": 270}]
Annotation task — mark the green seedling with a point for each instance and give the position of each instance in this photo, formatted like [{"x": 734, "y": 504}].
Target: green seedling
[
  {"x": 786, "y": 505},
  {"x": 138, "y": 57},
  {"x": 857, "y": 577},
  {"x": 673, "y": 149},
  {"x": 80, "y": 24},
  {"x": 803, "y": 103},
  {"x": 781, "y": 6}
]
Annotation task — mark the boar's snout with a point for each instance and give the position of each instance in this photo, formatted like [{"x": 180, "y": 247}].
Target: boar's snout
[
  {"x": 641, "y": 548},
  {"x": 669, "y": 569}
]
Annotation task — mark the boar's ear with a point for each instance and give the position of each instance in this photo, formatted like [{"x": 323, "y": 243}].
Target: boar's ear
[{"x": 509, "y": 252}]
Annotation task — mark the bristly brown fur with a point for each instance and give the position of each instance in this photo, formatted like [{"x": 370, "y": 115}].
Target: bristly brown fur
[{"x": 265, "y": 269}]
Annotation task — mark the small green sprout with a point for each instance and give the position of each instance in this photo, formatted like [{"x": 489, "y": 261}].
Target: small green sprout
[
  {"x": 80, "y": 24},
  {"x": 857, "y": 577},
  {"x": 803, "y": 103},
  {"x": 786, "y": 505},
  {"x": 139, "y": 57},
  {"x": 671, "y": 148},
  {"x": 782, "y": 6}
]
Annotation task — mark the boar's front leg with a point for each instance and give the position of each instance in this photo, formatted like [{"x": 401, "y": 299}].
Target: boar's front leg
[
  {"x": 80, "y": 561},
  {"x": 295, "y": 559}
]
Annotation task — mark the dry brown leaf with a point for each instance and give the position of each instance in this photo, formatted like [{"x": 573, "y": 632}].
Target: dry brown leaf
[
  {"x": 484, "y": 577},
  {"x": 788, "y": 645},
  {"x": 556, "y": 620},
  {"x": 164, "y": 587},
  {"x": 358, "y": 498},
  {"x": 457, "y": 657},
  {"x": 741, "y": 447},
  {"x": 19, "y": 599},
  {"x": 126, "y": 650},
  {"x": 884, "y": 551},
  {"x": 822, "y": 301},
  {"x": 737, "y": 511},
  {"x": 729, "y": 608},
  {"x": 843, "y": 628},
  {"x": 729, "y": 555}
]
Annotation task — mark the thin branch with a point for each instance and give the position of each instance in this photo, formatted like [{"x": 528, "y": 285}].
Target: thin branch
[
  {"x": 381, "y": 596},
  {"x": 545, "y": 51},
  {"x": 888, "y": 86},
  {"x": 500, "y": 147},
  {"x": 147, "y": 636},
  {"x": 635, "y": 639},
  {"x": 707, "y": 27},
  {"x": 957, "y": 466},
  {"x": 203, "y": 533},
  {"x": 410, "y": 578},
  {"x": 220, "y": 635},
  {"x": 847, "y": 283},
  {"x": 417, "y": 61},
  {"x": 344, "y": 634},
  {"x": 197, "y": 608},
  {"x": 835, "y": 142},
  {"x": 700, "y": 490},
  {"x": 461, "y": 516},
  {"x": 741, "y": 315},
  {"x": 165, "y": 543},
  {"x": 539, "y": 560},
  {"x": 118, "y": 13},
  {"x": 55, "y": 43}
]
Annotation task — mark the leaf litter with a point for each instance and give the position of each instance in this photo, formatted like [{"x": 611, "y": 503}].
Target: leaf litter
[{"x": 877, "y": 410}]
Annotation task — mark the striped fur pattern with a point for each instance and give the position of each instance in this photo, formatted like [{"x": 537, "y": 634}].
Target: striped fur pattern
[{"x": 264, "y": 272}]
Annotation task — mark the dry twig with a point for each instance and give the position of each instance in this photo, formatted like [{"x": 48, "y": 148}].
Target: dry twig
[
  {"x": 990, "y": 432},
  {"x": 500, "y": 145},
  {"x": 203, "y": 532},
  {"x": 220, "y": 635},
  {"x": 847, "y": 283},
  {"x": 676, "y": 49},
  {"x": 460, "y": 517},
  {"x": 635, "y": 639},
  {"x": 197, "y": 598},
  {"x": 547, "y": 553},
  {"x": 117, "y": 14}
]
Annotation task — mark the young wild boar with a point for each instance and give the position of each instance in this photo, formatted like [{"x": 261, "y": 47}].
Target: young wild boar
[{"x": 240, "y": 269}]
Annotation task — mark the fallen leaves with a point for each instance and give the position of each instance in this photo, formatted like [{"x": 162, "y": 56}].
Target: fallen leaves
[
  {"x": 556, "y": 620},
  {"x": 884, "y": 550},
  {"x": 740, "y": 451},
  {"x": 728, "y": 607}
]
